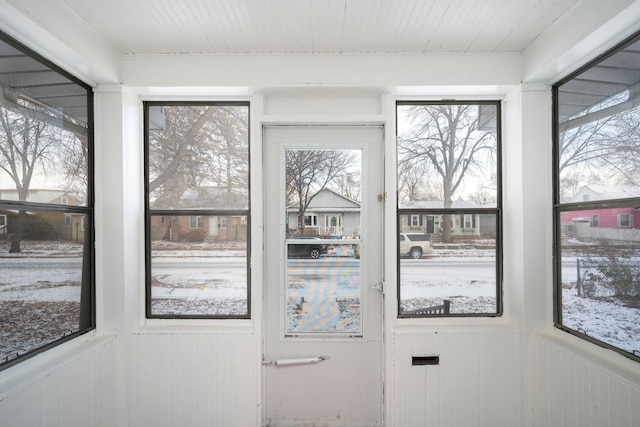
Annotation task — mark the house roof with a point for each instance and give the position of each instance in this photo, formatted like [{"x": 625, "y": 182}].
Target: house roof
[
  {"x": 605, "y": 192},
  {"x": 327, "y": 200},
  {"x": 438, "y": 204},
  {"x": 35, "y": 195}
]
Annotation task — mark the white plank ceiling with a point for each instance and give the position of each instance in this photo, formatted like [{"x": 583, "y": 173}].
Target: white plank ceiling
[{"x": 312, "y": 26}]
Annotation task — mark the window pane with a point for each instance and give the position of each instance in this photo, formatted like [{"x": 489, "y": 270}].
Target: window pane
[
  {"x": 447, "y": 152},
  {"x": 599, "y": 130},
  {"x": 600, "y": 278},
  {"x": 198, "y": 157},
  {"x": 598, "y": 245},
  {"x": 323, "y": 292},
  {"x": 460, "y": 274},
  {"x": 199, "y": 271},
  {"x": 46, "y": 278},
  {"x": 41, "y": 286},
  {"x": 44, "y": 122}
]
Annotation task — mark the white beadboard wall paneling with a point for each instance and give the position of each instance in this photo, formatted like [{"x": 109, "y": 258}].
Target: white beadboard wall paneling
[
  {"x": 78, "y": 392},
  {"x": 477, "y": 383},
  {"x": 192, "y": 380},
  {"x": 574, "y": 390}
]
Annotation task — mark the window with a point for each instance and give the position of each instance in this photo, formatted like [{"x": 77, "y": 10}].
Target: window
[
  {"x": 197, "y": 176},
  {"x": 195, "y": 222},
  {"x": 311, "y": 220},
  {"x": 625, "y": 220},
  {"x": 468, "y": 221},
  {"x": 449, "y": 177},
  {"x": 46, "y": 264},
  {"x": 597, "y": 267}
]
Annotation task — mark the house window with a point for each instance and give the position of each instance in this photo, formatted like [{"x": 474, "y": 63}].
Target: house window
[
  {"x": 596, "y": 268},
  {"x": 333, "y": 221},
  {"x": 625, "y": 220},
  {"x": 448, "y": 158},
  {"x": 311, "y": 220},
  {"x": 197, "y": 174},
  {"x": 468, "y": 221},
  {"x": 48, "y": 112},
  {"x": 64, "y": 200},
  {"x": 196, "y": 222}
]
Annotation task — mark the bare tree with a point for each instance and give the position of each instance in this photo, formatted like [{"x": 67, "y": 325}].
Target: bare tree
[
  {"x": 448, "y": 138},
  {"x": 198, "y": 146},
  {"x": 599, "y": 145},
  {"x": 310, "y": 171},
  {"x": 414, "y": 181},
  {"x": 25, "y": 145},
  {"x": 348, "y": 185}
]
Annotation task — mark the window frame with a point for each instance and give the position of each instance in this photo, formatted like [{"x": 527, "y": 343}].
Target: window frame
[
  {"x": 201, "y": 212},
  {"x": 87, "y": 300},
  {"x": 559, "y": 206},
  {"x": 438, "y": 214}
]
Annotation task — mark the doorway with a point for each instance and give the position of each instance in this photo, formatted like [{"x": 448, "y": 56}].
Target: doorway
[{"x": 323, "y": 325}]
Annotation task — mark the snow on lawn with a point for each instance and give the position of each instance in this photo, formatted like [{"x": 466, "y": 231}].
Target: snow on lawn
[
  {"x": 605, "y": 319},
  {"x": 40, "y": 291},
  {"x": 469, "y": 282}
]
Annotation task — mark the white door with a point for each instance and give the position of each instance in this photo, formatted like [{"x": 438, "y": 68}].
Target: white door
[
  {"x": 323, "y": 321},
  {"x": 213, "y": 226}
]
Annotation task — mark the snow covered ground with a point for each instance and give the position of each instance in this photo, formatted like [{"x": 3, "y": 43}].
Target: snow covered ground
[{"x": 40, "y": 292}]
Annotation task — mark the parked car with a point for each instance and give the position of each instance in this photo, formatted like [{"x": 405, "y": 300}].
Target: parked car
[
  {"x": 415, "y": 245},
  {"x": 303, "y": 250}
]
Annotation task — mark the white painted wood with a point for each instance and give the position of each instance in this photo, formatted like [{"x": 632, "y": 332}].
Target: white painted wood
[
  {"x": 307, "y": 26},
  {"x": 592, "y": 27},
  {"x": 575, "y": 389},
  {"x": 346, "y": 389},
  {"x": 477, "y": 383},
  {"x": 192, "y": 380},
  {"x": 70, "y": 388},
  {"x": 45, "y": 28},
  {"x": 322, "y": 70}
]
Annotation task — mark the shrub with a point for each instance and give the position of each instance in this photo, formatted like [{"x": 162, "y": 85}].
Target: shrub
[{"x": 620, "y": 275}]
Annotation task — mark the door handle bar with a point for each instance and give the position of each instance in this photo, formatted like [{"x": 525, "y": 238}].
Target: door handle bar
[{"x": 298, "y": 361}]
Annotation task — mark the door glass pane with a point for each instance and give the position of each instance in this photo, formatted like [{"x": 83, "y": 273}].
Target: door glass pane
[{"x": 323, "y": 294}]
